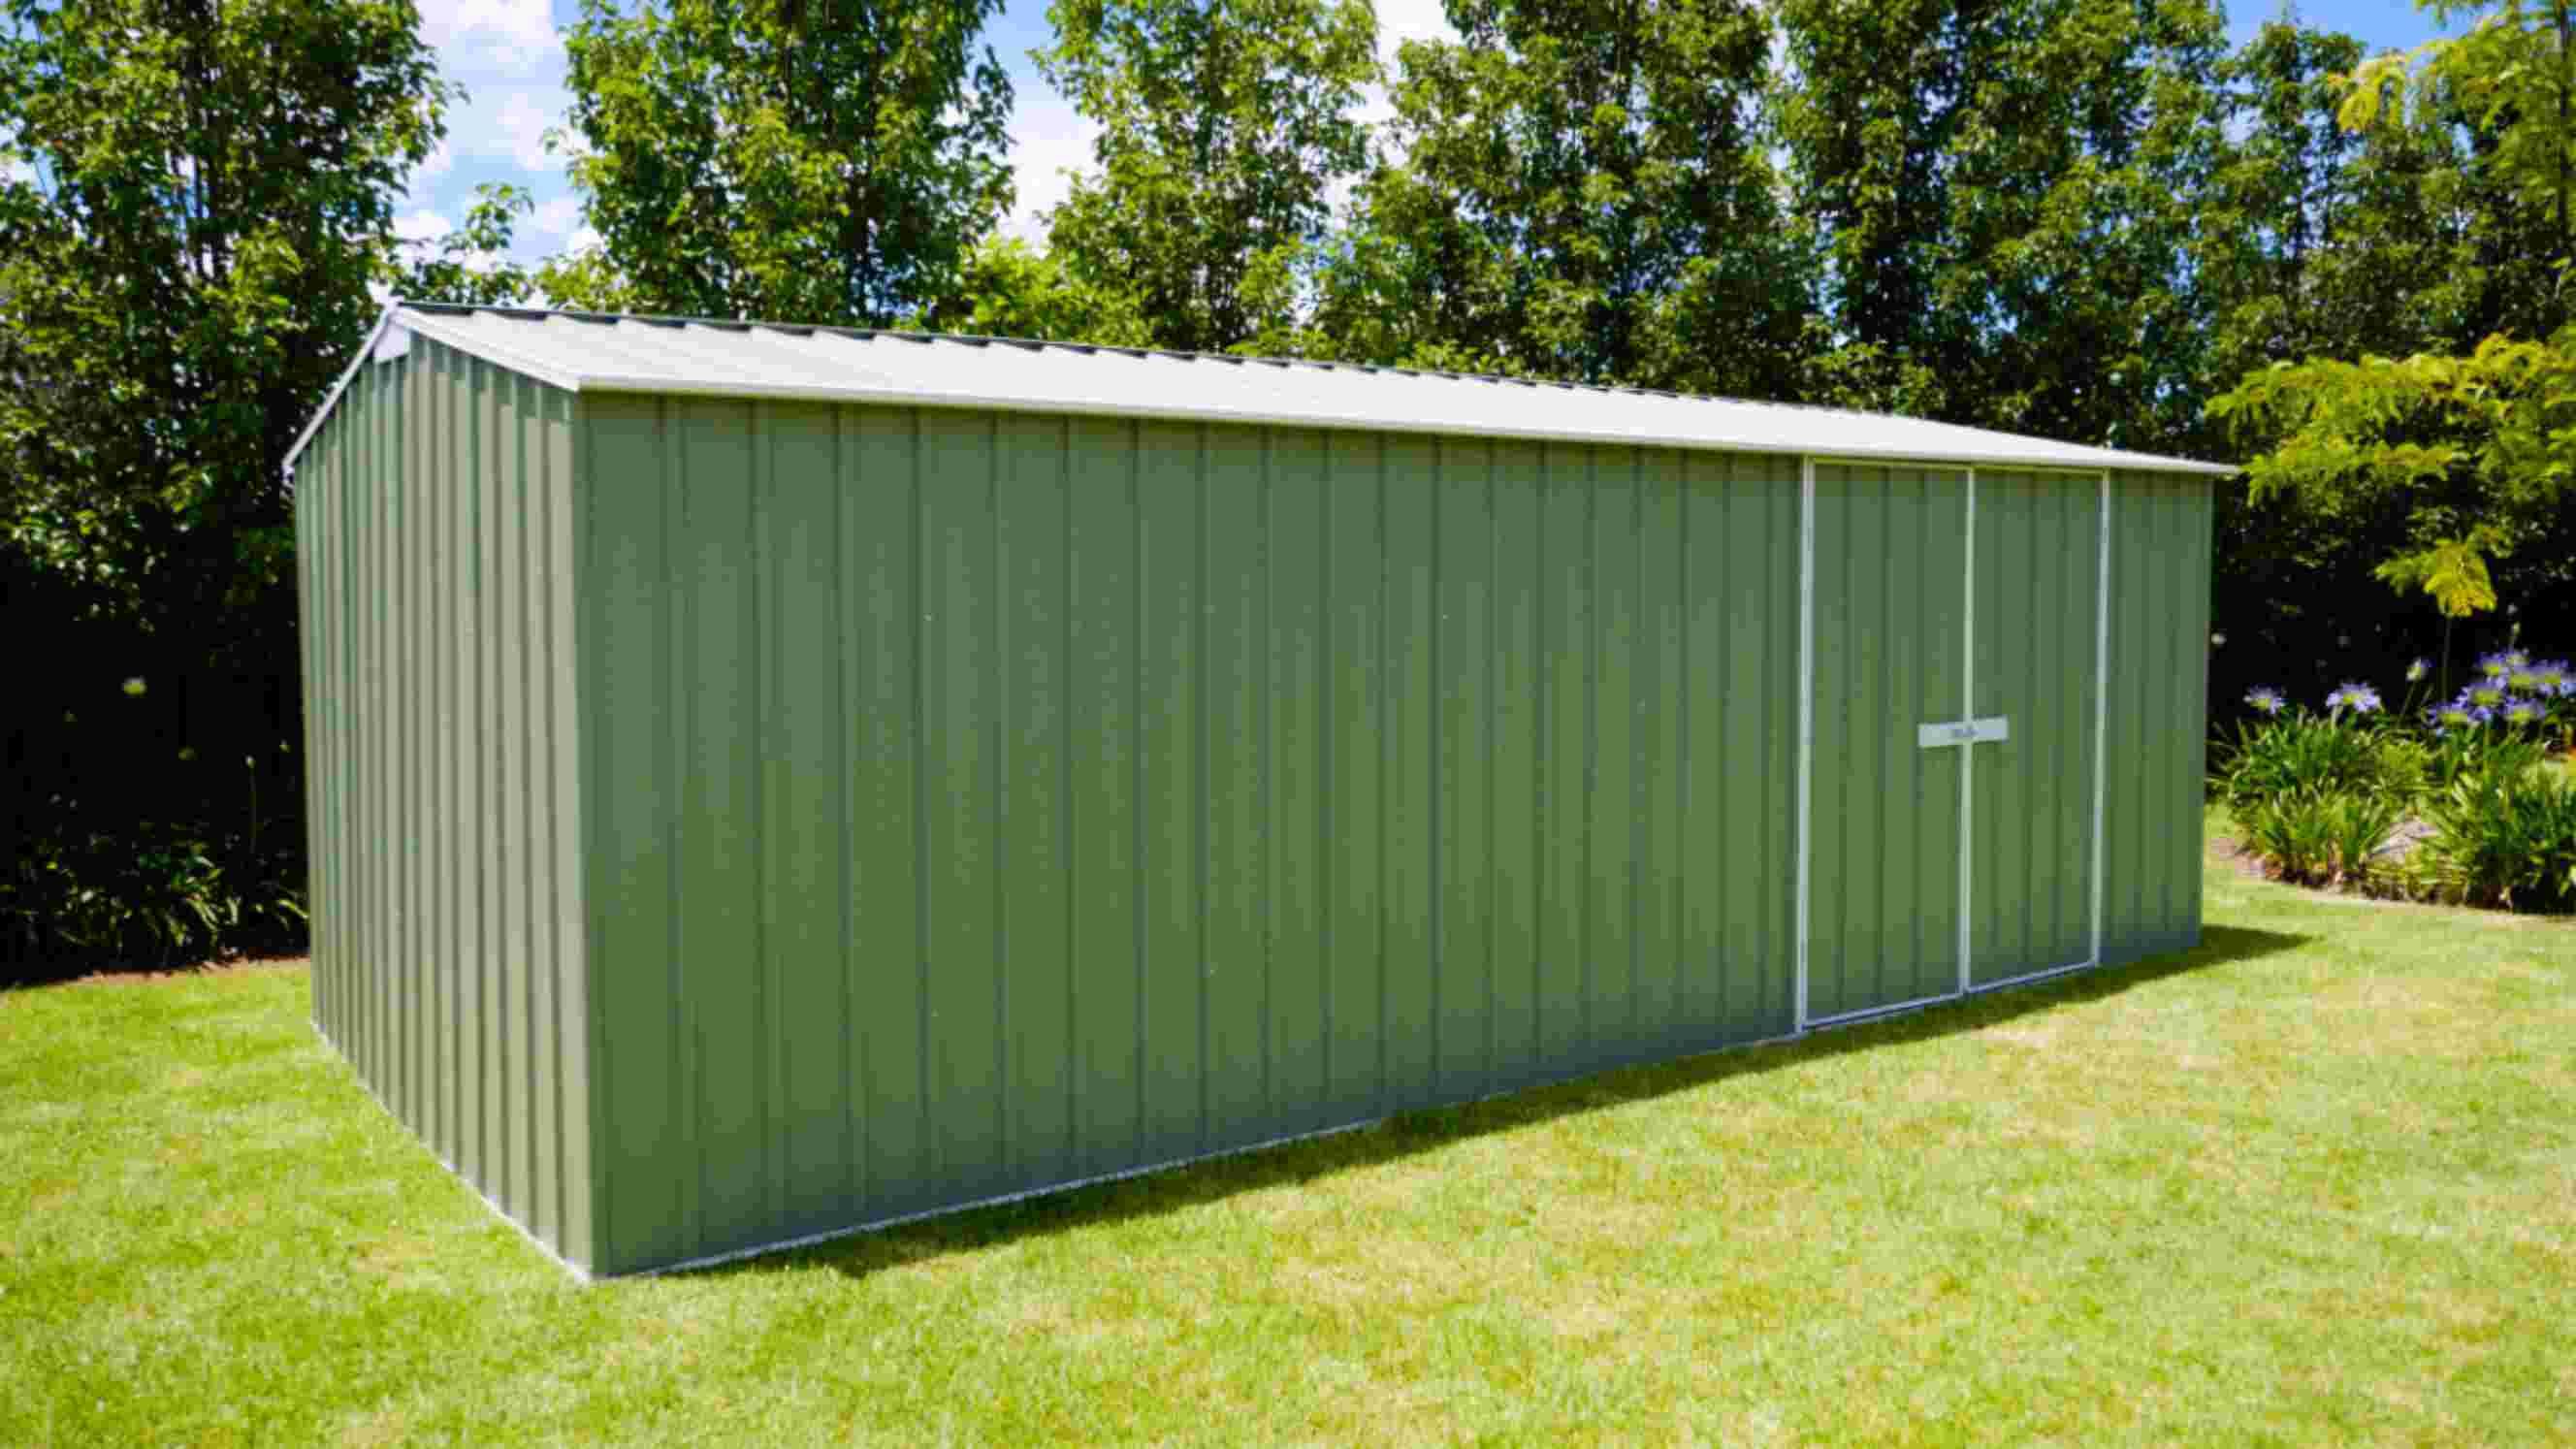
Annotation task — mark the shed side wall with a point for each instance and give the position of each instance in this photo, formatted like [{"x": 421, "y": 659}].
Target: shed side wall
[
  {"x": 990, "y": 801},
  {"x": 2157, "y": 721},
  {"x": 437, "y": 576}
]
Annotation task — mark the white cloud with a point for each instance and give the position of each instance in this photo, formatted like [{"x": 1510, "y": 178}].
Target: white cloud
[
  {"x": 1401, "y": 20},
  {"x": 582, "y": 240},
  {"x": 508, "y": 37},
  {"x": 1047, "y": 139},
  {"x": 506, "y": 125},
  {"x": 556, "y": 217},
  {"x": 421, "y": 225},
  {"x": 522, "y": 123}
]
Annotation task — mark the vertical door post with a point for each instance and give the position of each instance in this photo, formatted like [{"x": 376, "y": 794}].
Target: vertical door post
[
  {"x": 2101, "y": 702},
  {"x": 1806, "y": 715}
]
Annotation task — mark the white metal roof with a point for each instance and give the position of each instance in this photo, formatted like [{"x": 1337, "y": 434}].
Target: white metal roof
[{"x": 592, "y": 352}]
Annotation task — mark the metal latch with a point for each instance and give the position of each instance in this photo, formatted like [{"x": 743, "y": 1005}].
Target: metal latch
[{"x": 1963, "y": 732}]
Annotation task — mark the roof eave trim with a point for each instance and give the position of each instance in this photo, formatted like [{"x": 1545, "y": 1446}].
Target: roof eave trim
[
  {"x": 331, "y": 399},
  {"x": 1251, "y": 417},
  {"x": 437, "y": 328}
]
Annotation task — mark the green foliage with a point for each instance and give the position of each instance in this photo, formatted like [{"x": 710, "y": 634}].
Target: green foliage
[
  {"x": 1010, "y": 289},
  {"x": 2471, "y": 439},
  {"x": 2513, "y": 71},
  {"x": 1581, "y": 190},
  {"x": 2006, "y": 196},
  {"x": 2299, "y": 754},
  {"x": 2320, "y": 796},
  {"x": 199, "y": 198},
  {"x": 826, "y": 161},
  {"x": 470, "y": 265},
  {"x": 152, "y": 893},
  {"x": 1225, "y": 126},
  {"x": 2465, "y": 754},
  {"x": 2506, "y": 837},
  {"x": 2322, "y": 836},
  {"x": 2499, "y": 424}
]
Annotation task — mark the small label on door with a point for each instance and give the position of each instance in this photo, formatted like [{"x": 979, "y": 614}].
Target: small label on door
[{"x": 1963, "y": 732}]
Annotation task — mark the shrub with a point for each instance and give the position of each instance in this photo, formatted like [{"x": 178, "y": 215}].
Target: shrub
[
  {"x": 155, "y": 893},
  {"x": 2323, "y": 837},
  {"x": 2506, "y": 837},
  {"x": 2320, "y": 795},
  {"x": 2298, "y": 753}
]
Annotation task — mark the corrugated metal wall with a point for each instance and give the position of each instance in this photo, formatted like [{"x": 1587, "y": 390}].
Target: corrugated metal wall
[
  {"x": 988, "y": 801},
  {"x": 1890, "y": 653},
  {"x": 2039, "y": 581},
  {"x": 736, "y": 820},
  {"x": 2157, "y": 722},
  {"x": 434, "y": 517}
]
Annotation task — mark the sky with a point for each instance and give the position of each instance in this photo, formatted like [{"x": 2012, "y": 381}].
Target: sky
[{"x": 507, "y": 56}]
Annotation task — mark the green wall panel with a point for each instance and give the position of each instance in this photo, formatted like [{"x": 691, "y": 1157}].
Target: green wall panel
[
  {"x": 736, "y": 821},
  {"x": 435, "y": 559},
  {"x": 988, "y": 802},
  {"x": 2160, "y": 544},
  {"x": 2038, "y": 557},
  {"x": 1890, "y": 644}
]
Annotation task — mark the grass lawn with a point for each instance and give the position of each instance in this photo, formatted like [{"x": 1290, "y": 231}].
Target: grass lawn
[{"x": 2315, "y": 1181}]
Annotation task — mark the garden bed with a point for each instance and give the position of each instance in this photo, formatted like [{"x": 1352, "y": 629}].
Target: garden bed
[{"x": 2468, "y": 801}]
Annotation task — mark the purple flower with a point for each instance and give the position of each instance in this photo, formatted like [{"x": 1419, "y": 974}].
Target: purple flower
[
  {"x": 2267, "y": 699},
  {"x": 2359, "y": 698},
  {"x": 2451, "y": 717},
  {"x": 2484, "y": 696},
  {"x": 2522, "y": 712},
  {"x": 2416, "y": 671}
]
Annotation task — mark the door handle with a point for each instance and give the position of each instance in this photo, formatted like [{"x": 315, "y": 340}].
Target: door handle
[{"x": 1990, "y": 730}]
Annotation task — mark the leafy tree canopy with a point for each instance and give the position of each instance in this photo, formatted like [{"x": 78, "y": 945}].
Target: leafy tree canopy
[
  {"x": 1580, "y": 189},
  {"x": 2479, "y": 446},
  {"x": 1225, "y": 126},
  {"x": 1011, "y": 289},
  {"x": 194, "y": 199},
  {"x": 828, "y": 161},
  {"x": 2005, "y": 193}
]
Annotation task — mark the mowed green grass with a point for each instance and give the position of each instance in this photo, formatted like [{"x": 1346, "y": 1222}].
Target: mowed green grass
[{"x": 2313, "y": 1182}]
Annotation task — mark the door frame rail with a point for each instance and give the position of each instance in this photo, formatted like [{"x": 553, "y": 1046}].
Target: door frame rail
[{"x": 1803, "y": 914}]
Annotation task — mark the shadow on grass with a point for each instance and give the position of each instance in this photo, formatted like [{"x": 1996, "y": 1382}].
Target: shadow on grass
[{"x": 1171, "y": 1189}]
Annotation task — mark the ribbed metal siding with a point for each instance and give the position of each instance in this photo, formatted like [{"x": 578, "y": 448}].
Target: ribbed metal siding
[
  {"x": 435, "y": 547},
  {"x": 2158, "y": 716},
  {"x": 2038, "y": 552},
  {"x": 987, "y": 801},
  {"x": 1890, "y": 646}
]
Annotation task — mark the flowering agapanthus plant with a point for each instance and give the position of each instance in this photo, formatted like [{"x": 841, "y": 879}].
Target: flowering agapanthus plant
[
  {"x": 2359, "y": 698},
  {"x": 2267, "y": 699}
]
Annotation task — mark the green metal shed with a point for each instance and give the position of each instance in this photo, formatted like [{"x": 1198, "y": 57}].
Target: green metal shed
[{"x": 770, "y": 781}]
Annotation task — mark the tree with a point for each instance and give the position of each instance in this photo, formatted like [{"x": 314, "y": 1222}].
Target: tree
[
  {"x": 196, "y": 199},
  {"x": 1579, "y": 189},
  {"x": 470, "y": 264},
  {"x": 1011, "y": 289},
  {"x": 828, "y": 161},
  {"x": 2005, "y": 192},
  {"x": 1225, "y": 126},
  {"x": 2478, "y": 445}
]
